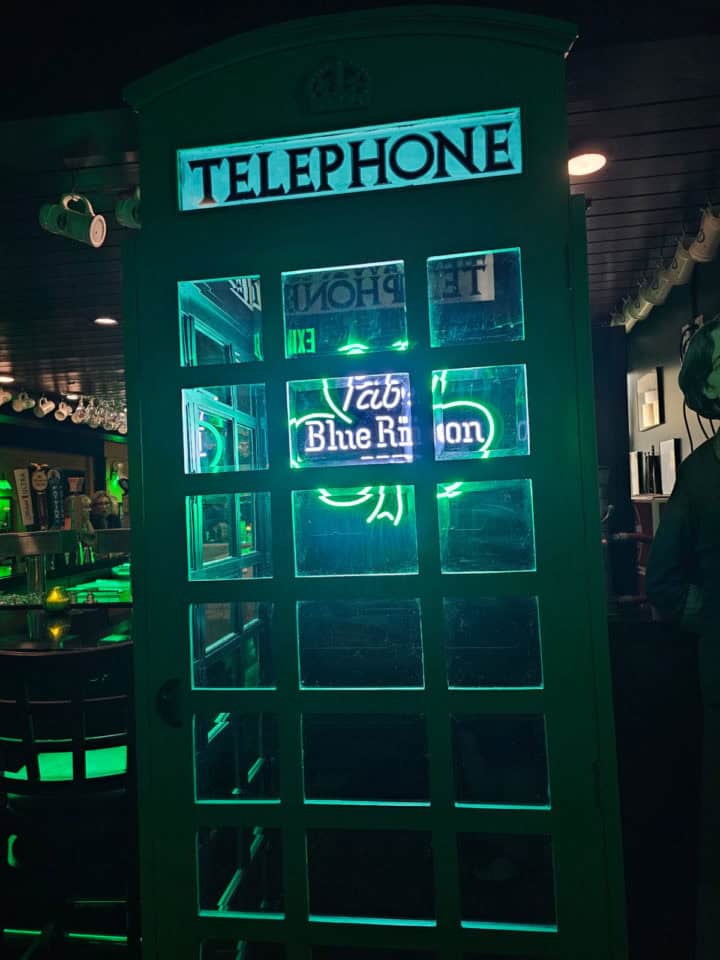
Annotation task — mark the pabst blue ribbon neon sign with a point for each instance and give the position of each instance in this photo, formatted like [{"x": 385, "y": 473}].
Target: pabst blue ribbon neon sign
[{"x": 368, "y": 419}]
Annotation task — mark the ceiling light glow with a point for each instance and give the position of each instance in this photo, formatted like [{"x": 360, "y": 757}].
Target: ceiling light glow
[
  {"x": 583, "y": 164},
  {"x": 106, "y": 321},
  {"x": 6, "y": 378}
]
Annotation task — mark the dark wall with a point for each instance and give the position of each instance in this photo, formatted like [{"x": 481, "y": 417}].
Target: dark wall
[
  {"x": 61, "y": 443},
  {"x": 611, "y": 415}
]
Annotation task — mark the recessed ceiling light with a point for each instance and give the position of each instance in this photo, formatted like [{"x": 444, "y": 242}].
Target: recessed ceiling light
[
  {"x": 106, "y": 321},
  {"x": 583, "y": 164},
  {"x": 6, "y": 378}
]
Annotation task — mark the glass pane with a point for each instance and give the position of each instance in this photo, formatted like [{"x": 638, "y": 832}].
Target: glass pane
[
  {"x": 386, "y": 874},
  {"x": 355, "y": 530},
  {"x": 236, "y": 757},
  {"x": 339, "y": 421},
  {"x": 480, "y": 412},
  {"x": 475, "y": 298},
  {"x": 231, "y": 645},
  {"x": 240, "y": 870},
  {"x": 360, "y": 643},
  {"x": 506, "y": 879},
  {"x": 240, "y": 950},
  {"x": 220, "y": 321},
  {"x": 486, "y": 527},
  {"x": 500, "y": 759},
  {"x": 345, "y": 310},
  {"x": 370, "y": 771},
  {"x": 493, "y": 642},
  {"x": 225, "y": 428},
  {"x": 229, "y": 536}
]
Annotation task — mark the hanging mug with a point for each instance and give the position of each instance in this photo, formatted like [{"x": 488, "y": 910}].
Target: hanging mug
[
  {"x": 127, "y": 211},
  {"x": 705, "y": 245},
  {"x": 94, "y": 417},
  {"x": 63, "y": 411},
  {"x": 80, "y": 412},
  {"x": 43, "y": 407},
  {"x": 658, "y": 288},
  {"x": 84, "y": 224},
  {"x": 5, "y": 395},
  {"x": 681, "y": 266},
  {"x": 22, "y": 402}
]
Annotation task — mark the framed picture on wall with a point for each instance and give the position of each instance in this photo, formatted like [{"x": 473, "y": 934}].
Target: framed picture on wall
[{"x": 651, "y": 410}]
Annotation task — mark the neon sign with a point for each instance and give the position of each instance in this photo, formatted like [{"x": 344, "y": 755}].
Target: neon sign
[
  {"x": 356, "y": 160},
  {"x": 386, "y": 502},
  {"x": 480, "y": 412},
  {"x": 350, "y": 420}
]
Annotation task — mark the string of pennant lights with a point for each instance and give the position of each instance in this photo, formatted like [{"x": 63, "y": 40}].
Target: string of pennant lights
[
  {"x": 654, "y": 290},
  {"x": 89, "y": 411}
]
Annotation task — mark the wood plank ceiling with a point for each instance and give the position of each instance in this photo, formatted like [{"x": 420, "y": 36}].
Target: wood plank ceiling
[{"x": 656, "y": 104}]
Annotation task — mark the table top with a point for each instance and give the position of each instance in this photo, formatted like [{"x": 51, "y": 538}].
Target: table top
[{"x": 44, "y": 630}]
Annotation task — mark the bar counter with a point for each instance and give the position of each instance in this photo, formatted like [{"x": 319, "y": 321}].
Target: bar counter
[{"x": 37, "y": 629}]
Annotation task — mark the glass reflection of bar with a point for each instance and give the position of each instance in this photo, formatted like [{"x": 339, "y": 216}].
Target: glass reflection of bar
[
  {"x": 475, "y": 298},
  {"x": 232, "y": 645},
  {"x": 220, "y": 321},
  {"x": 486, "y": 526},
  {"x": 229, "y": 536},
  {"x": 347, "y": 531},
  {"x": 345, "y": 311},
  {"x": 225, "y": 428},
  {"x": 240, "y": 871}
]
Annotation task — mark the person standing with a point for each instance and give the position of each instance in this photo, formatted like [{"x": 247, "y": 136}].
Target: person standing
[
  {"x": 102, "y": 513},
  {"x": 683, "y": 585}
]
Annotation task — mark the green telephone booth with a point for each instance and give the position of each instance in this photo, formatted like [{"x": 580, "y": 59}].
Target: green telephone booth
[{"x": 374, "y": 714}]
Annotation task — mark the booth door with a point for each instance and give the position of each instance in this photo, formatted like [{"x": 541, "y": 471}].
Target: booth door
[{"x": 364, "y": 620}]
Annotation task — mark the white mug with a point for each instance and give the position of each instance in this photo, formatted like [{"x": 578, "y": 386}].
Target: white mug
[
  {"x": 22, "y": 402},
  {"x": 80, "y": 413},
  {"x": 43, "y": 407},
  {"x": 63, "y": 411},
  {"x": 84, "y": 224}
]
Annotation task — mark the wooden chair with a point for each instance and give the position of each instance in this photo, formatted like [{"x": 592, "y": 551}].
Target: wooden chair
[{"x": 66, "y": 798}]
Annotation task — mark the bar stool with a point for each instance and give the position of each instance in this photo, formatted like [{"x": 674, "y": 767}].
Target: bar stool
[{"x": 67, "y": 821}]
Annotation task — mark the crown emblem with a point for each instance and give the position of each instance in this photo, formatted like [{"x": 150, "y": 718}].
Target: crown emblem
[{"x": 337, "y": 85}]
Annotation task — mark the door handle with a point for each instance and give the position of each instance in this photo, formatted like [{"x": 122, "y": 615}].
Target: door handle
[{"x": 167, "y": 702}]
